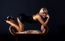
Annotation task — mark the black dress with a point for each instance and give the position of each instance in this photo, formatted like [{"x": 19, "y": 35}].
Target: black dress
[{"x": 30, "y": 23}]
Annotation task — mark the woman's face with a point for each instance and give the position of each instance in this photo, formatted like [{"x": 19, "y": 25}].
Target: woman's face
[{"x": 43, "y": 14}]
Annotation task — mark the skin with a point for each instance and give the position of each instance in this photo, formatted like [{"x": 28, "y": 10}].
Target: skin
[
  {"x": 38, "y": 17},
  {"x": 20, "y": 25}
]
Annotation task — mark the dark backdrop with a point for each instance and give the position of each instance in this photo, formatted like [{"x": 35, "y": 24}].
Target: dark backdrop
[{"x": 56, "y": 10}]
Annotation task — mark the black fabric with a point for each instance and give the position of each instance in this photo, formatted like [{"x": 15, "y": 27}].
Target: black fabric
[
  {"x": 28, "y": 19},
  {"x": 29, "y": 23}
]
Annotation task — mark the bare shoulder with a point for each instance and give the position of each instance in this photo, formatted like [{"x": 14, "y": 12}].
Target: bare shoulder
[{"x": 37, "y": 16}]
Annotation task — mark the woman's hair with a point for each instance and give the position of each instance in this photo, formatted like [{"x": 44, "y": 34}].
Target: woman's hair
[{"x": 43, "y": 10}]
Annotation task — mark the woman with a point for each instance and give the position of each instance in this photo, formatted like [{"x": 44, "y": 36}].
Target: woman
[{"x": 41, "y": 17}]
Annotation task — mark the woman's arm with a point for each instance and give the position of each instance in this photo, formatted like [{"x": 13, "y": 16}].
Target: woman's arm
[
  {"x": 37, "y": 17},
  {"x": 47, "y": 19}
]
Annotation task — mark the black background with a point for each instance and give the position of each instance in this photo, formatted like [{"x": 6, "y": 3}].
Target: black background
[{"x": 56, "y": 9}]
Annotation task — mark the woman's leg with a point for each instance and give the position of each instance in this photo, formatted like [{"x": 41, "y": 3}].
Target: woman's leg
[
  {"x": 43, "y": 29},
  {"x": 17, "y": 25},
  {"x": 21, "y": 26}
]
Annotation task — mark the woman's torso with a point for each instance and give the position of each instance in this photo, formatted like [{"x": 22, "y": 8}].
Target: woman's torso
[{"x": 29, "y": 23}]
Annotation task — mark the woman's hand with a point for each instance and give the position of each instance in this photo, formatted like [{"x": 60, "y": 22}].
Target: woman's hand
[{"x": 47, "y": 19}]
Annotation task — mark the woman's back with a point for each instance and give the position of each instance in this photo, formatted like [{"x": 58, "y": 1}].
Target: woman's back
[{"x": 29, "y": 23}]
